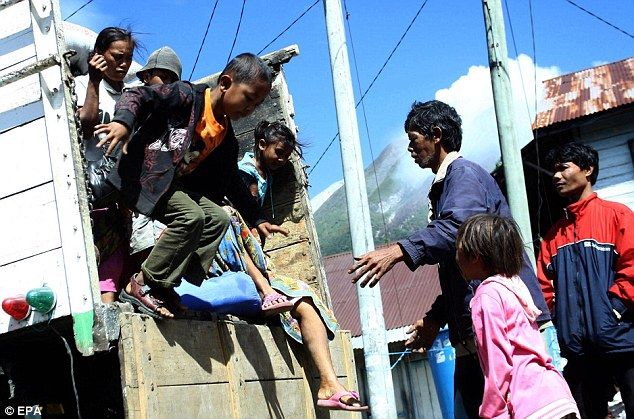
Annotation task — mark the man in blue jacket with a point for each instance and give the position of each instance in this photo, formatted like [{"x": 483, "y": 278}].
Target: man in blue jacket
[{"x": 460, "y": 189}]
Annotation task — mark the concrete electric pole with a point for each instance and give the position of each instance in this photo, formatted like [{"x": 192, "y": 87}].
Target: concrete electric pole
[
  {"x": 503, "y": 103},
  {"x": 377, "y": 360}
]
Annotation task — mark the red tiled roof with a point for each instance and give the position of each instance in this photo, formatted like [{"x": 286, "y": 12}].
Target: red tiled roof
[
  {"x": 406, "y": 295},
  {"x": 586, "y": 92}
]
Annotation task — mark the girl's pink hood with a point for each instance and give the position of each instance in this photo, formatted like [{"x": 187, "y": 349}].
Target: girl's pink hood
[{"x": 517, "y": 287}]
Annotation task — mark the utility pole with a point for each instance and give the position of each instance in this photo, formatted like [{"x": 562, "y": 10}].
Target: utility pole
[
  {"x": 503, "y": 103},
  {"x": 377, "y": 360}
]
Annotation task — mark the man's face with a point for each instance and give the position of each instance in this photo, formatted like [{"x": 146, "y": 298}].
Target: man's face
[
  {"x": 570, "y": 180},
  {"x": 241, "y": 99},
  {"x": 422, "y": 149}
]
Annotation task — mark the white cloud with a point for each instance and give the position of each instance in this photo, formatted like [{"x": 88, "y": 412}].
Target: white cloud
[{"x": 472, "y": 97}]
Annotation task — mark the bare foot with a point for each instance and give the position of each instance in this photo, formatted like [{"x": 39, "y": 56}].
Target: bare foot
[{"x": 108, "y": 297}]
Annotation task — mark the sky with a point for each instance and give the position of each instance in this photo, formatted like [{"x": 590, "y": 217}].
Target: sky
[{"x": 443, "y": 56}]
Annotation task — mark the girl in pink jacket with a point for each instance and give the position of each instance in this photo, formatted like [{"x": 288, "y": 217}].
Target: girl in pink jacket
[{"x": 520, "y": 380}]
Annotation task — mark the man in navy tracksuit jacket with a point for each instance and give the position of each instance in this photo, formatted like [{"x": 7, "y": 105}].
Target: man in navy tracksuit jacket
[
  {"x": 586, "y": 269},
  {"x": 460, "y": 189}
]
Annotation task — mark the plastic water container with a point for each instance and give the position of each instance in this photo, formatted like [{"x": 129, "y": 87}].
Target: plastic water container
[{"x": 442, "y": 360}]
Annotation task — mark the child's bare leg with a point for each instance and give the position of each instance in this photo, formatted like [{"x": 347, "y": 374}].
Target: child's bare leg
[
  {"x": 108, "y": 297},
  {"x": 316, "y": 342},
  {"x": 261, "y": 283}
]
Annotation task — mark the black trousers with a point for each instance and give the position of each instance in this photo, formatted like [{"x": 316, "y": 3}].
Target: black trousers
[
  {"x": 592, "y": 379},
  {"x": 469, "y": 382}
]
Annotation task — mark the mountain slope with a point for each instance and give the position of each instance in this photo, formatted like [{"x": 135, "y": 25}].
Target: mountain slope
[{"x": 398, "y": 205}]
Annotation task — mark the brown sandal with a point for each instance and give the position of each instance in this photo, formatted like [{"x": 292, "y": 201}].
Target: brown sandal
[{"x": 140, "y": 296}]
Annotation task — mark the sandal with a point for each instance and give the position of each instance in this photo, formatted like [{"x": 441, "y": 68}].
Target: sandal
[
  {"x": 336, "y": 403},
  {"x": 140, "y": 296},
  {"x": 271, "y": 305},
  {"x": 172, "y": 299}
]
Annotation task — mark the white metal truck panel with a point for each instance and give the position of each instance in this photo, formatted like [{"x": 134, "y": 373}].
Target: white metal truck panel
[
  {"x": 28, "y": 163},
  {"x": 46, "y": 238},
  {"x": 44, "y": 269},
  {"x": 30, "y": 224}
]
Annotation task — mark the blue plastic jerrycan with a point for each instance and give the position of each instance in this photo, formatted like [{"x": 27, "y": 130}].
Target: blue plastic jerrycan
[{"x": 442, "y": 360}]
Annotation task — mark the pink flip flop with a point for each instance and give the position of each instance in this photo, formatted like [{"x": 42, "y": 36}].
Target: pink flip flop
[
  {"x": 272, "y": 308},
  {"x": 335, "y": 402}
]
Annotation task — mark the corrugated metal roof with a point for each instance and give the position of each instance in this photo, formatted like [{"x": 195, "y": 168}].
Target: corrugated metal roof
[
  {"x": 586, "y": 92},
  {"x": 406, "y": 295}
]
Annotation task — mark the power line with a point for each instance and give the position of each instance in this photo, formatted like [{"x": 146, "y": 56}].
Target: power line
[
  {"x": 508, "y": 14},
  {"x": 365, "y": 121},
  {"x": 537, "y": 152},
  {"x": 77, "y": 10},
  {"x": 374, "y": 79},
  {"x": 376, "y": 178},
  {"x": 600, "y": 18},
  {"x": 536, "y": 143},
  {"x": 288, "y": 27},
  {"x": 235, "y": 38},
  {"x": 204, "y": 38},
  {"x": 323, "y": 154}
]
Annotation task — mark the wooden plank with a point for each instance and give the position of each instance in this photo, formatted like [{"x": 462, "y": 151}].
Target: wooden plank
[
  {"x": 275, "y": 399},
  {"x": 20, "y": 277},
  {"x": 265, "y": 375},
  {"x": 194, "y": 401},
  {"x": 194, "y": 351},
  {"x": 263, "y": 354},
  {"x": 621, "y": 192},
  {"x": 129, "y": 370},
  {"x": 236, "y": 382},
  {"x": 145, "y": 369},
  {"x": 31, "y": 137},
  {"x": 32, "y": 225}
]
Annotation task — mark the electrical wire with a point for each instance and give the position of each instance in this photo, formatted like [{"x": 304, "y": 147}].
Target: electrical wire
[
  {"x": 407, "y": 351},
  {"x": 376, "y": 178},
  {"x": 600, "y": 18},
  {"x": 508, "y": 15},
  {"x": 393, "y": 51},
  {"x": 323, "y": 154},
  {"x": 535, "y": 81},
  {"x": 204, "y": 38},
  {"x": 77, "y": 10},
  {"x": 373, "y": 80},
  {"x": 365, "y": 122},
  {"x": 288, "y": 27},
  {"x": 235, "y": 38},
  {"x": 537, "y": 151},
  {"x": 72, "y": 368}
]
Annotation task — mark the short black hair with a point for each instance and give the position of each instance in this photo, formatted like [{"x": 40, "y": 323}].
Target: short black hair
[
  {"x": 246, "y": 68},
  {"x": 113, "y": 34},
  {"x": 582, "y": 155},
  {"x": 495, "y": 240},
  {"x": 273, "y": 132},
  {"x": 425, "y": 116}
]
